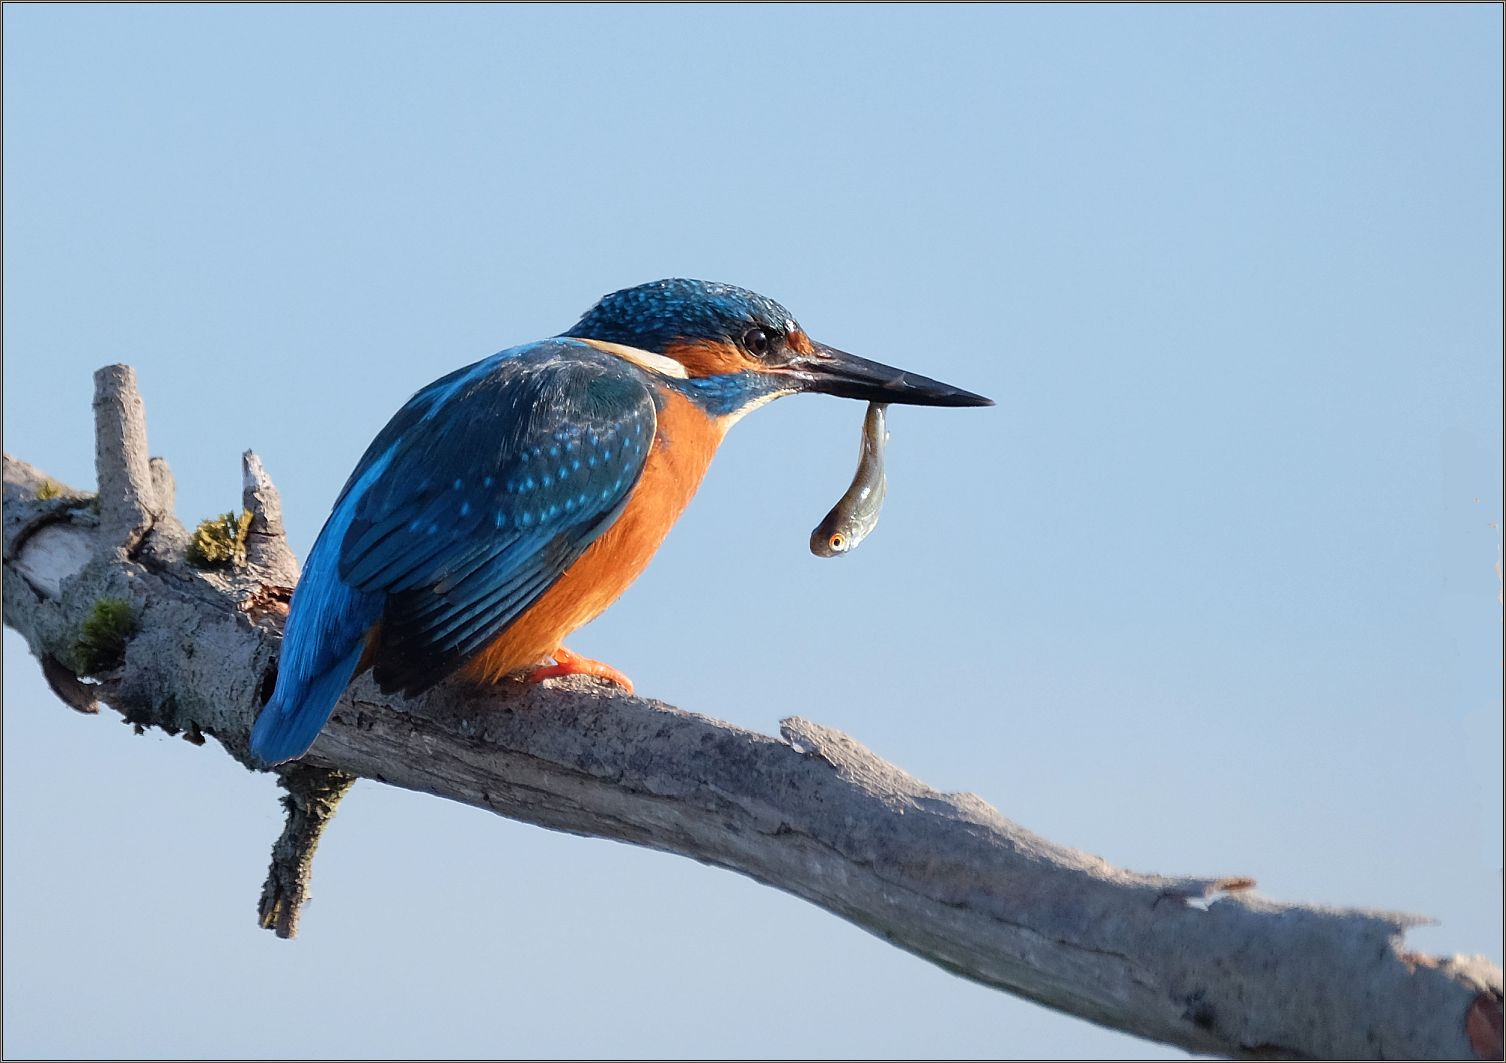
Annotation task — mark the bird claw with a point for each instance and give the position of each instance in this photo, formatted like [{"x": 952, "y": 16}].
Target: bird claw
[{"x": 568, "y": 663}]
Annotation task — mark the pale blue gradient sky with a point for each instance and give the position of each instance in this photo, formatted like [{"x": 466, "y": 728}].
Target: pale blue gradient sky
[{"x": 1210, "y": 591}]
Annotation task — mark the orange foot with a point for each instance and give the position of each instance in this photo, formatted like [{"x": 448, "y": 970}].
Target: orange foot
[{"x": 567, "y": 663}]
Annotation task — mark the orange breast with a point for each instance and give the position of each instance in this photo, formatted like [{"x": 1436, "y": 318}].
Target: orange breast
[{"x": 683, "y": 446}]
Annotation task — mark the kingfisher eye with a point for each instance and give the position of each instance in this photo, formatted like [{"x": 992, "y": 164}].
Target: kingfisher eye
[{"x": 757, "y": 342}]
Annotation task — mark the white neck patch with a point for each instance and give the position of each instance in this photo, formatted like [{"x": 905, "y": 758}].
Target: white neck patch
[{"x": 654, "y": 363}]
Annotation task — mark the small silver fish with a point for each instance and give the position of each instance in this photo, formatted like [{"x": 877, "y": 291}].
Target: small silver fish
[{"x": 857, "y": 512}]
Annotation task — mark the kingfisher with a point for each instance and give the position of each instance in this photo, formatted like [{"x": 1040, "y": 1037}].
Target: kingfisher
[{"x": 512, "y": 501}]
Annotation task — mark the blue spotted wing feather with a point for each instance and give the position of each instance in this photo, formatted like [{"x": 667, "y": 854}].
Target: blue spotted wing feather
[
  {"x": 464, "y": 510},
  {"x": 484, "y": 508}
]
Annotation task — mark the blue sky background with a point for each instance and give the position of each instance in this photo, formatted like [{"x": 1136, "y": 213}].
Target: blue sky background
[{"x": 1211, "y": 590}]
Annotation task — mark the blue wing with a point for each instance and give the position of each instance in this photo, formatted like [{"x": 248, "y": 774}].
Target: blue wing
[{"x": 464, "y": 510}]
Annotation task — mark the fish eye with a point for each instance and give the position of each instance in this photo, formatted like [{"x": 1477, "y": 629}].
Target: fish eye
[
  {"x": 837, "y": 541},
  {"x": 756, "y": 342}
]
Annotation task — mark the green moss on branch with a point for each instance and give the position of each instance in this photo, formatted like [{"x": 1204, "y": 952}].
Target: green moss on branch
[
  {"x": 103, "y": 635},
  {"x": 220, "y": 541}
]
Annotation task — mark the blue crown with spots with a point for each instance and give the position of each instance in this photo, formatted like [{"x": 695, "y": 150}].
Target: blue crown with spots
[{"x": 652, "y": 316}]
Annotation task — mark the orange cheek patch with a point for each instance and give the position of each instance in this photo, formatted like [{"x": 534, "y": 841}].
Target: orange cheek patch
[
  {"x": 800, "y": 343},
  {"x": 709, "y": 358}
]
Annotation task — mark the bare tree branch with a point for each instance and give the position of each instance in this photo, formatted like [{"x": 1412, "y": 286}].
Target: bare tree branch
[
  {"x": 313, "y": 795},
  {"x": 1197, "y": 962},
  {"x": 127, "y": 497},
  {"x": 267, "y": 548}
]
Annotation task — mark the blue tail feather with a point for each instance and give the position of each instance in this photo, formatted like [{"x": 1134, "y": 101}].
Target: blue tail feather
[
  {"x": 293, "y": 718},
  {"x": 321, "y": 646}
]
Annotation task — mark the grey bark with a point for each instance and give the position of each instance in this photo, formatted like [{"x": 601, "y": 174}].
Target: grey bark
[
  {"x": 1202, "y": 963},
  {"x": 313, "y": 794}
]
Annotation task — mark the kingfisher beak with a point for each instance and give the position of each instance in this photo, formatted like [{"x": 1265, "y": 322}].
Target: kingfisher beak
[{"x": 829, "y": 371}]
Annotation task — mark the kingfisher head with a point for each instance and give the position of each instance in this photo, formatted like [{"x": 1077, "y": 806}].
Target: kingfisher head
[{"x": 736, "y": 341}]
